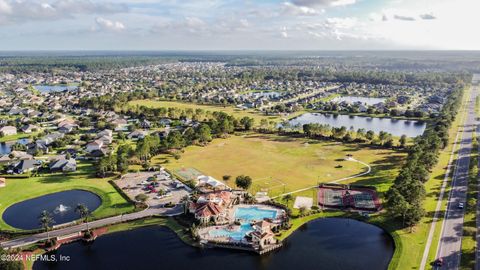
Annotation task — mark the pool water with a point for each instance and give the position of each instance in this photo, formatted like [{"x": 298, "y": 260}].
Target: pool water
[
  {"x": 249, "y": 214},
  {"x": 234, "y": 234},
  {"x": 246, "y": 215}
]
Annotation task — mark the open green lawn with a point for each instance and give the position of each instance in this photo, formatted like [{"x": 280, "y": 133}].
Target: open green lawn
[
  {"x": 21, "y": 189},
  {"x": 227, "y": 109},
  {"x": 284, "y": 164},
  {"x": 17, "y": 136}
]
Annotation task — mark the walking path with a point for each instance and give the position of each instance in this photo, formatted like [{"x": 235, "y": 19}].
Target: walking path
[
  {"x": 149, "y": 212},
  {"x": 369, "y": 169}
]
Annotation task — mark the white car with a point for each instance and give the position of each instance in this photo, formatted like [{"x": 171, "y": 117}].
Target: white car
[{"x": 460, "y": 205}]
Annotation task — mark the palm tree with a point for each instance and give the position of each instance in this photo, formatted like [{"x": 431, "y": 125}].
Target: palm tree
[
  {"x": 84, "y": 212},
  {"x": 46, "y": 221},
  {"x": 184, "y": 201},
  {"x": 287, "y": 198}
]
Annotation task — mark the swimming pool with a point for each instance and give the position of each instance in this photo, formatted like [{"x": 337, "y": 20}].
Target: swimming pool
[
  {"x": 248, "y": 214},
  {"x": 234, "y": 234}
]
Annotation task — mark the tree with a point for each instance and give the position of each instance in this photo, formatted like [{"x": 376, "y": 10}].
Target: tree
[
  {"x": 370, "y": 135},
  {"x": 46, "y": 221},
  {"x": 9, "y": 264},
  {"x": 226, "y": 177},
  {"x": 287, "y": 198},
  {"x": 396, "y": 204},
  {"x": 247, "y": 122},
  {"x": 403, "y": 141},
  {"x": 141, "y": 198},
  {"x": 84, "y": 212},
  {"x": 204, "y": 133},
  {"x": 243, "y": 181}
]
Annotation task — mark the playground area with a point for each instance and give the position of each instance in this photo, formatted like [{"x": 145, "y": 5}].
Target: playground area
[{"x": 360, "y": 198}]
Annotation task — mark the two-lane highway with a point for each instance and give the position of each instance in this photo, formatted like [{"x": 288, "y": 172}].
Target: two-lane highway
[{"x": 449, "y": 247}]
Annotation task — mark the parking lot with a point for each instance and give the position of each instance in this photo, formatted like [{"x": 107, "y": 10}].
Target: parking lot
[{"x": 159, "y": 187}]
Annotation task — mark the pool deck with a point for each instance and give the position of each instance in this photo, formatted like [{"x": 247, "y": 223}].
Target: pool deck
[{"x": 204, "y": 233}]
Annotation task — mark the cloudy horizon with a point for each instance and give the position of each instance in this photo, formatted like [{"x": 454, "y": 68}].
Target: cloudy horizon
[{"x": 239, "y": 25}]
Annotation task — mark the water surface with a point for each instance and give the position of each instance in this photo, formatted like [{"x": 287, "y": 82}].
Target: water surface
[
  {"x": 55, "y": 88},
  {"x": 338, "y": 244},
  {"x": 6, "y": 147},
  {"x": 25, "y": 215},
  {"x": 364, "y": 100},
  {"x": 394, "y": 126}
]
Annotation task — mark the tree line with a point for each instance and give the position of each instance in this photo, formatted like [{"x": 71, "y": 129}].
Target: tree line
[{"x": 404, "y": 199}]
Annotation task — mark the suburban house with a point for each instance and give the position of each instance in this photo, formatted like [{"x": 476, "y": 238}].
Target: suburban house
[
  {"x": 95, "y": 145},
  {"x": 8, "y": 130},
  {"x": 24, "y": 166},
  {"x": 120, "y": 124},
  {"x": 67, "y": 126},
  {"x": 29, "y": 128},
  {"x": 61, "y": 164},
  {"x": 137, "y": 134}
]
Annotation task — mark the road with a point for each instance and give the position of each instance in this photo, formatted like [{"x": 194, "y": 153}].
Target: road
[
  {"x": 450, "y": 243},
  {"x": 27, "y": 240}
]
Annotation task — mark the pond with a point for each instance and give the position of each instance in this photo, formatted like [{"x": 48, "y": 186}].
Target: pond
[
  {"x": 6, "y": 147},
  {"x": 24, "y": 215},
  {"x": 55, "y": 88},
  {"x": 393, "y": 126},
  {"x": 364, "y": 100},
  {"x": 334, "y": 243}
]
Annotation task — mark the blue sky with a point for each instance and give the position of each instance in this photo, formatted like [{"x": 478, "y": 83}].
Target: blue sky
[{"x": 238, "y": 24}]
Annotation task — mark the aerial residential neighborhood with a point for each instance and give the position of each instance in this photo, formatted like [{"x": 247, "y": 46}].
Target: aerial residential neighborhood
[{"x": 264, "y": 135}]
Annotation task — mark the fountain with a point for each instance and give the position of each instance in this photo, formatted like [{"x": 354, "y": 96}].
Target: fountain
[{"x": 61, "y": 209}]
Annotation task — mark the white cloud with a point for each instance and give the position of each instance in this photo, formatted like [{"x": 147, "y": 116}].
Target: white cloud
[
  {"x": 284, "y": 33},
  {"x": 427, "y": 16},
  {"x": 17, "y": 11},
  {"x": 314, "y": 3},
  {"x": 295, "y": 10},
  {"x": 108, "y": 25},
  {"x": 5, "y": 7},
  {"x": 403, "y": 18},
  {"x": 341, "y": 23}
]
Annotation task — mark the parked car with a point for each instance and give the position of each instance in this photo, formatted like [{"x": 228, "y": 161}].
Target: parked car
[{"x": 460, "y": 205}]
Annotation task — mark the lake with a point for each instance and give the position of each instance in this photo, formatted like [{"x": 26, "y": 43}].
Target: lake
[
  {"x": 24, "y": 215},
  {"x": 364, "y": 100},
  {"x": 331, "y": 243},
  {"x": 55, "y": 88},
  {"x": 394, "y": 126},
  {"x": 6, "y": 147}
]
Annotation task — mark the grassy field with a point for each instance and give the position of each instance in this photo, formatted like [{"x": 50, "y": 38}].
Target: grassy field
[
  {"x": 227, "y": 109},
  {"x": 17, "y": 136},
  {"x": 283, "y": 164},
  {"x": 20, "y": 189}
]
